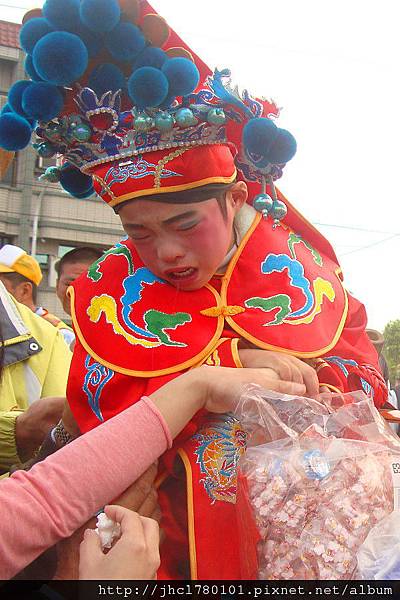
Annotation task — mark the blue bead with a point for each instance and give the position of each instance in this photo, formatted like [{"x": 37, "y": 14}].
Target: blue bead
[
  {"x": 185, "y": 118},
  {"x": 263, "y": 203},
  {"x": 143, "y": 123},
  {"x": 52, "y": 174},
  {"x": 46, "y": 150},
  {"x": 278, "y": 210},
  {"x": 216, "y": 116},
  {"x": 82, "y": 132},
  {"x": 164, "y": 122},
  {"x": 54, "y": 131},
  {"x": 74, "y": 120}
]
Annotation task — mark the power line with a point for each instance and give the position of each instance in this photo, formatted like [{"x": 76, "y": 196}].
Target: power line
[
  {"x": 14, "y": 6},
  {"x": 352, "y": 228},
  {"x": 391, "y": 237}
]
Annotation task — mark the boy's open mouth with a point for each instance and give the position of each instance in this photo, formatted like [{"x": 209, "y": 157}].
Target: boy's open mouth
[{"x": 181, "y": 274}]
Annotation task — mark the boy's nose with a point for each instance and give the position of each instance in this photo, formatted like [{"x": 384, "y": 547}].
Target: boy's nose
[{"x": 169, "y": 252}]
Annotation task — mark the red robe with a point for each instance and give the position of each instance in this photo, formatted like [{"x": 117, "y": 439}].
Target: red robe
[{"x": 282, "y": 291}]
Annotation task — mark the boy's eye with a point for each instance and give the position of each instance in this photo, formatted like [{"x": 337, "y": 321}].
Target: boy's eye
[
  {"x": 139, "y": 238},
  {"x": 187, "y": 226}
]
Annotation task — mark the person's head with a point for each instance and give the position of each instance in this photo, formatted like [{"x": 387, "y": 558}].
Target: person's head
[
  {"x": 184, "y": 237},
  {"x": 70, "y": 267},
  {"x": 23, "y": 290},
  {"x": 20, "y": 274}
]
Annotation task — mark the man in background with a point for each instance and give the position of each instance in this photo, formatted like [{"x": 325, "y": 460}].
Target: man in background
[
  {"x": 33, "y": 384},
  {"x": 70, "y": 267},
  {"x": 21, "y": 276}
]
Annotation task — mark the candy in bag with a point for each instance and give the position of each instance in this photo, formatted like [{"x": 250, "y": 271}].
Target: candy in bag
[{"x": 316, "y": 478}]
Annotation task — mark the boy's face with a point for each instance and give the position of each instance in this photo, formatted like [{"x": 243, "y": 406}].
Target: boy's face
[{"x": 184, "y": 244}]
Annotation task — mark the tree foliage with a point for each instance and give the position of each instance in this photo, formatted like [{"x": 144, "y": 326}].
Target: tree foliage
[{"x": 391, "y": 351}]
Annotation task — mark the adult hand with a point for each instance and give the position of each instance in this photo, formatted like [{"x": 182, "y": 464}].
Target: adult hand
[
  {"x": 140, "y": 497},
  {"x": 216, "y": 389},
  {"x": 32, "y": 426},
  {"x": 287, "y": 367},
  {"x": 135, "y": 555}
]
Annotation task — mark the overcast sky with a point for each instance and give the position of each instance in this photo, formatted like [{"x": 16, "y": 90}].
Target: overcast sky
[{"x": 334, "y": 68}]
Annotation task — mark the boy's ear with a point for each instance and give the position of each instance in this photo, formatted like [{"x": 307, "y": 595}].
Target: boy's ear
[{"x": 239, "y": 194}]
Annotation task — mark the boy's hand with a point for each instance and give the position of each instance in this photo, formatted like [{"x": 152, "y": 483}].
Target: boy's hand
[
  {"x": 287, "y": 367},
  {"x": 141, "y": 496},
  {"x": 223, "y": 386},
  {"x": 135, "y": 555}
]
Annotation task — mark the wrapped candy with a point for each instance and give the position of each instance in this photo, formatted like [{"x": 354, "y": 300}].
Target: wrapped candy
[
  {"x": 107, "y": 529},
  {"x": 317, "y": 481}
]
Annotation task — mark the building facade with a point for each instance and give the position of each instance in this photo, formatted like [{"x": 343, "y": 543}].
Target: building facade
[{"x": 41, "y": 217}]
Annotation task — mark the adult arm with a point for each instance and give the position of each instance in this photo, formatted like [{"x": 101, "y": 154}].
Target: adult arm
[{"x": 57, "y": 496}]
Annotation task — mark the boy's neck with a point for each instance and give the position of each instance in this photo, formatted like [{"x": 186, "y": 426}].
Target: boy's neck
[{"x": 242, "y": 224}]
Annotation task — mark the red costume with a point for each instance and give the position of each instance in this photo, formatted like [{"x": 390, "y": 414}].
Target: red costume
[{"x": 114, "y": 365}]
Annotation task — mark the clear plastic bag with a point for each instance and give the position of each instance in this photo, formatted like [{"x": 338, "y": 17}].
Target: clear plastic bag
[
  {"x": 379, "y": 556},
  {"x": 316, "y": 478}
]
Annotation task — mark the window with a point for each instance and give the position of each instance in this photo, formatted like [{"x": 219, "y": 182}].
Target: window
[
  {"x": 43, "y": 259},
  {"x": 5, "y": 239}
]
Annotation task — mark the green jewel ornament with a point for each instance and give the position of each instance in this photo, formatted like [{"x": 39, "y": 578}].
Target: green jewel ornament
[
  {"x": 164, "y": 122},
  {"x": 54, "y": 131},
  {"x": 82, "y": 132},
  {"x": 216, "y": 116},
  {"x": 52, "y": 175},
  {"x": 74, "y": 120},
  {"x": 185, "y": 118},
  {"x": 143, "y": 123},
  {"x": 278, "y": 211},
  {"x": 263, "y": 203}
]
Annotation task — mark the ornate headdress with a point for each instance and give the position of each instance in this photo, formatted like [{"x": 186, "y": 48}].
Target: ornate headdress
[{"x": 133, "y": 112}]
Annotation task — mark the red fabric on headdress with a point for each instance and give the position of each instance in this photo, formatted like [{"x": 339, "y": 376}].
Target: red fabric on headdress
[{"x": 163, "y": 171}]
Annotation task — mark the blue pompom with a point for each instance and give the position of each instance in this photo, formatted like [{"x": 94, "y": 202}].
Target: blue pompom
[
  {"x": 74, "y": 181},
  {"x": 15, "y": 132},
  {"x": 258, "y": 136},
  {"x": 100, "y": 15},
  {"x": 6, "y": 109},
  {"x": 32, "y": 32},
  {"x": 183, "y": 76},
  {"x": 60, "y": 58},
  {"x": 62, "y": 14},
  {"x": 93, "y": 42},
  {"x": 30, "y": 69},
  {"x": 42, "y": 101},
  {"x": 106, "y": 77},
  {"x": 86, "y": 194},
  {"x": 150, "y": 57},
  {"x": 15, "y": 95},
  {"x": 283, "y": 148},
  {"x": 147, "y": 87},
  {"x": 125, "y": 42}
]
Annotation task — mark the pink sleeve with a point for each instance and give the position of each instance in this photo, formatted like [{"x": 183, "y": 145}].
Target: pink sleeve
[{"x": 60, "y": 494}]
